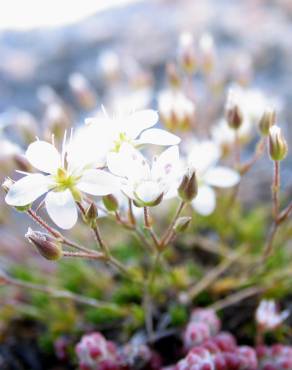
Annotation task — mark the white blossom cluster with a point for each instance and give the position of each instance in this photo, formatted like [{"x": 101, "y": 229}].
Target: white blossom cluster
[{"x": 105, "y": 156}]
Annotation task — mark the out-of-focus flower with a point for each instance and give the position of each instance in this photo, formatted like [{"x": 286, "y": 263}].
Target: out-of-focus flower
[
  {"x": 84, "y": 93},
  {"x": 267, "y": 120},
  {"x": 124, "y": 100},
  {"x": 173, "y": 76},
  {"x": 203, "y": 159},
  {"x": 132, "y": 129},
  {"x": 268, "y": 316},
  {"x": 208, "y": 316},
  {"x": 56, "y": 120},
  {"x": 108, "y": 63},
  {"x": 207, "y": 53},
  {"x": 96, "y": 353},
  {"x": 276, "y": 357},
  {"x": 196, "y": 333},
  {"x": 198, "y": 358},
  {"x": 63, "y": 181},
  {"x": 278, "y": 146},
  {"x": 146, "y": 186},
  {"x": 27, "y": 126},
  {"x": 177, "y": 112},
  {"x": 224, "y": 136},
  {"x": 186, "y": 53}
]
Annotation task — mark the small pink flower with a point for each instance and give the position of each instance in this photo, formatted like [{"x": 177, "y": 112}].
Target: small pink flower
[{"x": 268, "y": 316}]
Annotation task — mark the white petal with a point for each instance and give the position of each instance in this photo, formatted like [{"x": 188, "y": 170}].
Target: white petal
[
  {"x": 203, "y": 155},
  {"x": 138, "y": 121},
  {"x": 98, "y": 182},
  {"x": 129, "y": 163},
  {"x": 157, "y": 136},
  {"x": 43, "y": 156},
  {"x": 61, "y": 208},
  {"x": 166, "y": 164},
  {"x": 222, "y": 177},
  {"x": 148, "y": 191},
  {"x": 88, "y": 147},
  {"x": 27, "y": 189},
  {"x": 205, "y": 201}
]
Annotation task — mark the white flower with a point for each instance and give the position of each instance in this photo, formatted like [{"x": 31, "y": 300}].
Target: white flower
[
  {"x": 203, "y": 159},
  {"x": 63, "y": 181},
  {"x": 176, "y": 110},
  {"x": 224, "y": 136},
  {"x": 268, "y": 316},
  {"x": 144, "y": 184},
  {"x": 134, "y": 128}
]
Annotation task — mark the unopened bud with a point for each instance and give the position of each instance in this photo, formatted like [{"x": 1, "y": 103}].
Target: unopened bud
[
  {"x": 181, "y": 224},
  {"x": 7, "y": 183},
  {"x": 91, "y": 215},
  {"x": 278, "y": 147},
  {"x": 234, "y": 117},
  {"x": 47, "y": 246},
  {"x": 233, "y": 112},
  {"x": 188, "y": 187},
  {"x": 110, "y": 202},
  {"x": 267, "y": 120}
]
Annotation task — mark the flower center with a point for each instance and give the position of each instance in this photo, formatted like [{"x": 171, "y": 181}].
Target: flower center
[
  {"x": 64, "y": 180},
  {"x": 122, "y": 138}
]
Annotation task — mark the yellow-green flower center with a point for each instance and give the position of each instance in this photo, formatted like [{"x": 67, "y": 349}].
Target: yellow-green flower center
[
  {"x": 122, "y": 138},
  {"x": 64, "y": 180}
]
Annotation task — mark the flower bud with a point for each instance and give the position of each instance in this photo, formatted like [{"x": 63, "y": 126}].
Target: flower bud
[
  {"x": 278, "y": 147},
  {"x": 267, "y": 120},
  {"x": 188, "y": 187},
  {"x": 48, "y": 247},
  {"x": 91, "y": 215},
  {"x": 7, "y": 183},
  {"x": 110, "y": 202},
  {"x": 233, "y": 112},
  {"x": 181, "y": 224}
]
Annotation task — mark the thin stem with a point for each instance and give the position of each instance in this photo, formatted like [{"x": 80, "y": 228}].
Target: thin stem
[
  {"x": 147, "y": 296},
  {"x": 149, "y": 227},
  {"x": 258, "y": 152},
  {"x": 236, "y": 297},
  {"x": 131, "y": 215},
  {"x": 103, "y": 246},
  {"x": 56, "y": 233},
  {"x": 91, "y": 256},
  {"x": 43, "y": 224},
  {"x": 276, "y": 189},
  {"x": 61, "y": 294},
  {"x": 237, "y": 149},
  {"x": 171, "y": 225},
  {"x": 211, "y": 276}
]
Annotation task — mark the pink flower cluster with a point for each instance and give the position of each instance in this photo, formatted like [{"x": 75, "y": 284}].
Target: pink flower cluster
[
  {"x": 96, "y": 353},
  {"x": 205, "y": 346},
  {"x": 204, "y": 324},
  {"x": 209, "y": 356},
  {"x": 276, "y": 357}
]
